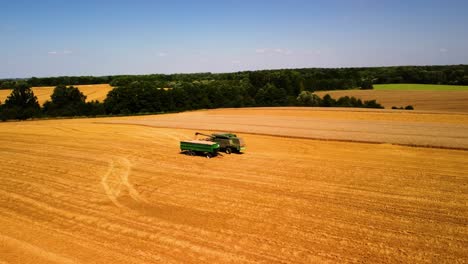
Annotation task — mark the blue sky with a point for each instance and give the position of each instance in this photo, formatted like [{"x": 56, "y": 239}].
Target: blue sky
[{"x": 54, "y": 38}]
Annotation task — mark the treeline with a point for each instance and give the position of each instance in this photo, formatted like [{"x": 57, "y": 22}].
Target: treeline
[
  {"x": 55, "y": 81},
  {"x": 306, "y": 98},
  {"x": 292, "y": 80},
  {"x": 318, "y": 79},
  {"x": 147, "y": 97},
  {"x": 65, "y": 101}
]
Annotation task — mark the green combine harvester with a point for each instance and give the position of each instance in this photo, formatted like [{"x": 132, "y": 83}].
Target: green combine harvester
[
  {"x": 228, "y": 142},
  {"x": 210, "y": 146}
]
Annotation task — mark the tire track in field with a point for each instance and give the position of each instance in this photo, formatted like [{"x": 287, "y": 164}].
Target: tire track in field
[
  {"x": 115, "y": 180},
  {"x": 22, "y": 247}
]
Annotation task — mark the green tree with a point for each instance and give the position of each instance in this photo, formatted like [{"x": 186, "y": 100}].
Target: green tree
[
  {"x": 372, "y": 104},
  {"x": 94, "y": 108},
  {"x": 273, "y": 96},
  {"x": 366, "y": 84},
  {"x": 140, "y": 97},
  {"x": 21, "y": 103},
  {"x": 66, "y": 101},
  {"x": 355, "y": 102},
  {"x": 307, "y": 98},
  {"x": 344, "y": 101},
  {"x": 261, "y": 98},
  {"x": 328, "y": 101}
]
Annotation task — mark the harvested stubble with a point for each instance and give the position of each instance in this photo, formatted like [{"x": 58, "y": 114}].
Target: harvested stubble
[
  {"x": 373, "y": 126},
  {"x": 78, "y": 191}
]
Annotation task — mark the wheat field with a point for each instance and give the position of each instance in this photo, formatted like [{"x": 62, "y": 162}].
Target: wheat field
[
  {"x": 436, "y": 100},
  {"x": 116, "y": 190}
]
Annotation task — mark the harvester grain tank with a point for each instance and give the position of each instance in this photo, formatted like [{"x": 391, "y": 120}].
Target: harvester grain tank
[{"x": 228, "y": 142}]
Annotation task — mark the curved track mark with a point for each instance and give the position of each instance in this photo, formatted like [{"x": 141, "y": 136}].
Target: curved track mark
[{"x": 116, "y": 179}]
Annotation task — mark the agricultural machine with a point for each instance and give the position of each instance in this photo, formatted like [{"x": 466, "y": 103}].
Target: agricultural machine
[
  {"x": 227, "y": 142},
  {"x": 211, "y": 145},
  {"x": 199, "y": 147}
]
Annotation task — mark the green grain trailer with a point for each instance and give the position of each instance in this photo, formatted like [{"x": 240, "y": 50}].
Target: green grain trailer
[{"x": 199, "y": 147}]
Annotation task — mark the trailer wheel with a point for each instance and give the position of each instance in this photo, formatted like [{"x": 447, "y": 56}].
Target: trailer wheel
[
  {"x": 228, "y": 151},
  {"x": 208, "y": 155}
]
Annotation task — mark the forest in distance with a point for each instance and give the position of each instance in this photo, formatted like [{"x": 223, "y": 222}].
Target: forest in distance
[
  {"x": 161, "y": 93},
  {"x": 316, "y": 79},
  {"x": 146, "y": 98}
]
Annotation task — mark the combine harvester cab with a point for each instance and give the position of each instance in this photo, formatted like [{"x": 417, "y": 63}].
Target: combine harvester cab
[
  {"x": 208, "y": 149},
  {"x": 228, "y": 142}
]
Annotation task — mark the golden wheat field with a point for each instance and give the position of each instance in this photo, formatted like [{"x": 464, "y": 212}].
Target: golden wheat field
[
  {"x": 92, "y": 92},
  {"x": 117, "y": 190},
  {"x": 412, "y": 128},
  {"x": 449, "y": 101}
]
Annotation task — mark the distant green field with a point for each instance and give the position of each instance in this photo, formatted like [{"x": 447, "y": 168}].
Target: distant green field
[{"x": 419, "y": 87}]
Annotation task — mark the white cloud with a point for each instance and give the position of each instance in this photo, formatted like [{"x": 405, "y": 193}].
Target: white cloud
[
  {"x": 273, "y": 51},
  {"x": 283, "y": 51},
  {"x": 64, "y": 52},
  {"x": 162, "y": 54},
  {"x": 236, "y": 62},
  {"x": 443, "y": 50},
  {"x": 288, "y": 52},
  {"x": 314, "y": 52}
]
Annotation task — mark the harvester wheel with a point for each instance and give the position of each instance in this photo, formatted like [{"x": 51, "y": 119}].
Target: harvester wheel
[
  {"x": 208, "y": 155},
  {"x": 228, "y": 151}
]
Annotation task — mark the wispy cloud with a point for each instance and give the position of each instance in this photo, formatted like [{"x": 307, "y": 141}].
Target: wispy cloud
[
  {"x": 443, "y": 50},
  {"x": 284, "y": 51},
  {"x": 236, "y": 62},
  {"x": 274, "y": 51},
  {"x": 162, "y": 54},
  {"x": 314, "y": 52},
  {"x": 63, "y": 52}
]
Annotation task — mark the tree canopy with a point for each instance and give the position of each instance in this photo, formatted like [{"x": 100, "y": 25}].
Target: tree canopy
[
  {"x": 292, "y": 80},
  {"x": 158, "y": 93},
  {"x": 20, "y": 104},
  {"x": 70, "y": 101}
]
